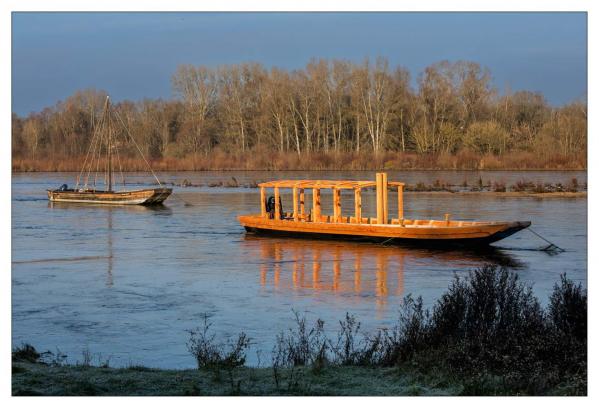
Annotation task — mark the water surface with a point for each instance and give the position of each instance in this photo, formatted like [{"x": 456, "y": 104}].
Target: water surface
[{"x": 127, "y": 282}]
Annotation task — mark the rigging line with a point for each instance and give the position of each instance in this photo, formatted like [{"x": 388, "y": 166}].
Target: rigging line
[
  {"x": 89, "y": 149},
  {"x": 85, "y": 161},
  {"x": 144, "y": 158},
  {"x": 101, "y": 141},
  {"x": 387, "y": 240},
  {"x": 96, "y": 142},
  {"x": 138, "y": 149},
  {"x": 97, "y": 148},
  {"x": 118, "y": 158},
  {"x": 98, "y": 160}
]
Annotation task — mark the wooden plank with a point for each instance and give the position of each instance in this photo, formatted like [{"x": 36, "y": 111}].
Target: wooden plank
[
  {"x": 358, "y": 205},
  {"x": 385, "y": 199},
  {"x": 400, "y": 202},
  {"x": 316, "y": 204},
  {"x": 341, "y": 184},
  {"x": 295, "y": 209},
  {"x": 263, "y": 201},
  {"x": 379, "y": 198},
  {"x": 277, "y": 207},
  {"x": 302, "y": 198},
  {"x": 336, "y": 205}
]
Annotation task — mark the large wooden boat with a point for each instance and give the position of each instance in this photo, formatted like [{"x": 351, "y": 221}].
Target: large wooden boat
[
  {"x": 382, "y": 228},
  {"x": 104, "y": 143}
]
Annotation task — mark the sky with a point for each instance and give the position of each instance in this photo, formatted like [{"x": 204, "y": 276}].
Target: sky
[{"x": 134, "y": 55}]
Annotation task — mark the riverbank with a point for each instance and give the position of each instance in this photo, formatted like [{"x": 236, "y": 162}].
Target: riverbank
[
  {"x": 487, "y": 335},
  {"x": 522, "y": 188},
  {"x": 41, "y": 379},
  {"x": 262, "y": 160}
]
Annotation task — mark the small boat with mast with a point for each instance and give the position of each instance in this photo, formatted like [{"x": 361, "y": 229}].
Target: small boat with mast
[
  {"x": 382, "y": 228},
  {"x": 104, "y": 141}
]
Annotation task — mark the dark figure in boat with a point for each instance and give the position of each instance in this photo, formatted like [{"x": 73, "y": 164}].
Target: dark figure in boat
[{"x": 270, "y": 208}]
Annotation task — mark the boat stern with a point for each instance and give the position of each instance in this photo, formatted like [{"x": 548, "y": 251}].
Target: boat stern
[{"x": 510, "y": 229}]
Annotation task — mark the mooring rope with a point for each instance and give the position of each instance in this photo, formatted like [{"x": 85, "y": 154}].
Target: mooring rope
[{"x": 549, "y": 248}]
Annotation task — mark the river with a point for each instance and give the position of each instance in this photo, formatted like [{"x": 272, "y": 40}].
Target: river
[{"x": 127, "y": 283}]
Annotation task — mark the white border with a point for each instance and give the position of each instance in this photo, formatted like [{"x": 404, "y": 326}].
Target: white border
[{"x": 286, "y": 5}]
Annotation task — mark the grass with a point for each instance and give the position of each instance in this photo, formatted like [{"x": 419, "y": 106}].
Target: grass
[
  {"x": 39, "y": 379},
  {"x": 487, "y": 335}
]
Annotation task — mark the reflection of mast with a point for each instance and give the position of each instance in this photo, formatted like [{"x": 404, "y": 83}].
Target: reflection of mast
[
  {"x": 358, "y": 272},
  {"x": 400, "y": 273},
  {"x": 316, "y": 269},
  {"x": 109, "y": 279},
  {"x": 295, "y": 268},
  {"x": 336, "y": 269},
  {"x": 381, "y": 279},
  {"x": 278, "y": 258}
]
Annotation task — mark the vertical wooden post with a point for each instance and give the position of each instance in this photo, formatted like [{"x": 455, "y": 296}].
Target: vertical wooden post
[
  {"x": 336, "y": 205},
  {"x": 302, "y": 198},
  {"x": 400, "y": 204},
  {"x": 277, "y": 207},
  {"x": 358, "y": 205},
  {"x": 295, "y": 209},
  {"x": 379, "y": 198},
  {"x": 263, "y": 202},
  {"x": 385, "y": 199},
  {"x": 316, "y": 205}
]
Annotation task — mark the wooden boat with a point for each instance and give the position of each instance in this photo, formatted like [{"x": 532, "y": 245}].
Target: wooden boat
[
  {"x": 103, "y": 141},
  {"x": 382, "y": 228},
  {"x": 148, "y": 196}
]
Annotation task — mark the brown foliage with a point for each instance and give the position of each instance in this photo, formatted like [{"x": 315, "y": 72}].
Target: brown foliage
[{"x": 329, "y": 115}]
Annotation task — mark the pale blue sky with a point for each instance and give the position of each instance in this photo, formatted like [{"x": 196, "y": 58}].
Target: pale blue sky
[{"x": 133, "y": 55}]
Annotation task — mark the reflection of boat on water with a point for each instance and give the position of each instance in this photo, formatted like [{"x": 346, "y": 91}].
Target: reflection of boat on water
[
  {"x": 273, "y": 220},
  {"x": 159, "y": 209},
  {"x": 349, "y": 267},
  {"x": 104, "y": 142}
]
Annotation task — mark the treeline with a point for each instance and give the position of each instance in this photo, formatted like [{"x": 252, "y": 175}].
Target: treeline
[{"x": 351, "y": 115}]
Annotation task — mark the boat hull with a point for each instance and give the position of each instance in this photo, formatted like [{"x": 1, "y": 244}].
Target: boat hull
[
  {"x": 436, "y": 235},
  {"x": 149, "y": 196}
]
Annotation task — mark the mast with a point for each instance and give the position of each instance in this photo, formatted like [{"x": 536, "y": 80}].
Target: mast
[{"x": 109, "y": 147}]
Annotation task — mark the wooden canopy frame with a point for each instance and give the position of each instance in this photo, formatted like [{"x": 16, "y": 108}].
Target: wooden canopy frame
[{"x": 299, "y": 186}]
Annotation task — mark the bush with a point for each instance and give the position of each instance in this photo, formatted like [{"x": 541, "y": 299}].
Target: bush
[
  {"x": 302, "y": 346},
  {"x": 26, "y": 352},
  {"x": 488, "y": 327},
  {"x": 489, "y": 321},
  {"x": 210, "y": 354}
]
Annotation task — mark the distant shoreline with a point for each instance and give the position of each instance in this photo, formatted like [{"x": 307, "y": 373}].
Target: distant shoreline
[
  {"x": 231, "y": 170},
  {"x": 346, "y": 161}
]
